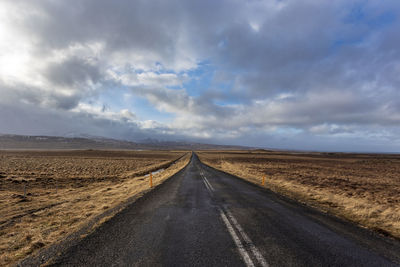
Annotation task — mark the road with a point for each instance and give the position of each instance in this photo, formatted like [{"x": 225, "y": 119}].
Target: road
[{"x": 203, "y": 217}]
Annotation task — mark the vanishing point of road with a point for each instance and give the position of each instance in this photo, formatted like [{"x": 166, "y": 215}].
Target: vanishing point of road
[{"x": 204, "y": 217}]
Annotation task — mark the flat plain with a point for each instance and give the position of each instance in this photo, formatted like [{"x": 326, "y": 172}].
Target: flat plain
[
  {"x": 46, "y": 195},
  {"x": 363, "y": 188}
]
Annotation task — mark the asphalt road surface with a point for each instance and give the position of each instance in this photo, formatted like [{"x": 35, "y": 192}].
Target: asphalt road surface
[{"x": 203, "y": 217}]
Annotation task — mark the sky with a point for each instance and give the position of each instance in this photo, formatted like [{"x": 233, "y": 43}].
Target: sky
[{"x": 285, "y": 74}]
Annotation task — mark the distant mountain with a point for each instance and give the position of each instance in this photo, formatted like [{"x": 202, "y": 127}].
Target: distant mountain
[
  {"x": 157, "y": 144},
  {"x": 9, "y": 141}
]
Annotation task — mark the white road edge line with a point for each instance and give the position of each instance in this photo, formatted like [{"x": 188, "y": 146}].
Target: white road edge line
[
  {"x": 246, "y": 238},
  {"x": 245, "y": 256}
]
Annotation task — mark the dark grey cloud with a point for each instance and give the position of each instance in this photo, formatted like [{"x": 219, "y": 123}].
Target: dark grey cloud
[
  {"x": 122, "y": 27},
  {"x": 20, "y": 93},
  {"x": 33, "y": 120},
  {"x": 73, "y": 72}
]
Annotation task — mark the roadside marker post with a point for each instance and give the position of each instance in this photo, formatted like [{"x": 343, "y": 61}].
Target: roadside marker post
[
  {"x": 151, "y": 180},
  {"x": 263, "y": 181}
]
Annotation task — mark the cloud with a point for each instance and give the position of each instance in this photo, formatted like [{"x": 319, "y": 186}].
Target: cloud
[
  {"x": 73, "y": 72},
  {"x": 223, "y": 70},
  {"x": 150, "y": 79}
]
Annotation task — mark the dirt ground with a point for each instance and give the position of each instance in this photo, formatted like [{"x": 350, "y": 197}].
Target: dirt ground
[
  {"x": 364, "y": 188},
  {"x": 46, "y": 195}
]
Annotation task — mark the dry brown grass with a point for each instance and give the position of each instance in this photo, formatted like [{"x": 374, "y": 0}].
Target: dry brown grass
[
  {"x": 363, "y": 188},
  {"x": 66, "y": 189}
]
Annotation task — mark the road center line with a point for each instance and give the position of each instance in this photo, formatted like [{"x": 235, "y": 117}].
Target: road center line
[
  {"x": 208, "y": 188},
  {"x": 246, "y": 238},
  {"x": 243, "y": 253},
  {"x": 225, "y": 214},
  {"x": 212, "y": 188},
  {"x": 205, "y": 178}
]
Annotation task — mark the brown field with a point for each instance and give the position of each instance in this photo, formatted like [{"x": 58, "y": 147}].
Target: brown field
[
  {"x": 363, "y": 188},
  {"x": 66, "y": 189}
]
